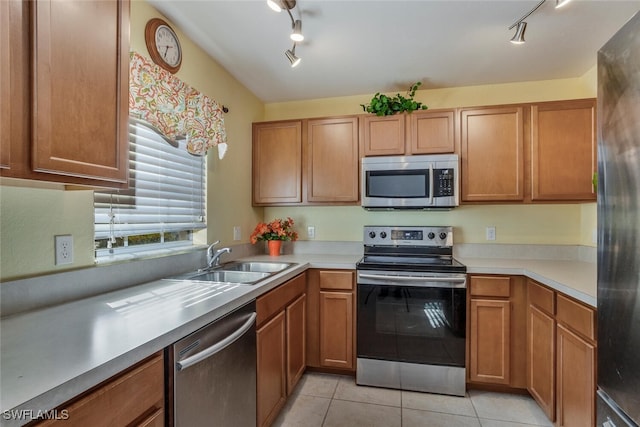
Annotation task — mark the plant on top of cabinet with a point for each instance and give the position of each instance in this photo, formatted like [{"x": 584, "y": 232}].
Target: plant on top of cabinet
[{"x": 383, "y": 105}]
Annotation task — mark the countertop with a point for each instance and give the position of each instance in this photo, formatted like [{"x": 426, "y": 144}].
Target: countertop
[
  {"x": 574, "y": 278},
  {"x": 53, "y": 354}
]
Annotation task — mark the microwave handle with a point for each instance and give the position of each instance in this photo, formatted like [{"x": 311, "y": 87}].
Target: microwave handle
[{"x": 431, "y": 184}]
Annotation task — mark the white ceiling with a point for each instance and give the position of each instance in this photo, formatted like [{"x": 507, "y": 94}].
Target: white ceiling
[{"x": 365, "y": 46}]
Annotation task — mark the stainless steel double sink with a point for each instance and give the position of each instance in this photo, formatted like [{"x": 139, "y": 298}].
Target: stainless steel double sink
[{"x": 236, "y": 272}]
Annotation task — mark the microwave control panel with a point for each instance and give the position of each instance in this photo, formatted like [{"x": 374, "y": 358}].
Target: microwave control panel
[{"x": 443, "y": 184}]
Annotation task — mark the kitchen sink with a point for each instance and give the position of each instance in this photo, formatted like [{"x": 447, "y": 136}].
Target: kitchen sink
[
  {"x": 243, "y": 277},
  {"x": 237, "y": 272},
  {"x": 261, "y": 267}
]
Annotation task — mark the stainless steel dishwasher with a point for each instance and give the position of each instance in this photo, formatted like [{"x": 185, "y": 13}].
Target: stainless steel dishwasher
[{"x": 214, "y": 373}]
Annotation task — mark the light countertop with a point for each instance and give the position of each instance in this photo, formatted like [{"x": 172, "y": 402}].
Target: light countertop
[
  {"x": 54, "y": 354},
  {"x": 574, "y": 278}
]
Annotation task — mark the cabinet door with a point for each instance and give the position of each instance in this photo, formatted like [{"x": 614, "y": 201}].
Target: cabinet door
[
  {"x": 563, "y": 150},
  {"x": 383, "y": 136},
  {"x": 576, "y": 380},
  {"x": 432, "y": 132},
  {"x": 541, "y": 359},
  {"x": 336, "y": 329},
  {"x": 134, "y": 398},
  {"x": 80, "y": 89},
  {"x": 332, "y": 160},
  {"x": 492, "y": 147},
  {"x": 272, "y": 386},
  {"x": 277, "y": 162},
  {"x": 296, "y": 341},
  {"x": 489, "y": 341}
]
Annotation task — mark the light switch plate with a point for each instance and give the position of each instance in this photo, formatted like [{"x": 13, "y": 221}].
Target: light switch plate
[
  {"x": 64, "y": 249},
  {"x": 311, "y": 232},
  {"x": 237, "y": 233}
]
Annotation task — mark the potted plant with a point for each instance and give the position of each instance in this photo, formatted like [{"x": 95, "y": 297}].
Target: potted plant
[
  {"x": 383, "y": 105},
  {"x": 274, "y": 233}
]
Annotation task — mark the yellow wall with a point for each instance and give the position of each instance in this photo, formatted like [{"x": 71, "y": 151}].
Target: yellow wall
[
  {"x": 29, "y": 218},
  {"x": 528, "y": 224}
]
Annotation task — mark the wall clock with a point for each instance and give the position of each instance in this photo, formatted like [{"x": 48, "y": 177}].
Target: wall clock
[{"x": 163, "y": 45}]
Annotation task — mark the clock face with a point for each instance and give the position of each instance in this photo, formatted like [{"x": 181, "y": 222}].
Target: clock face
[{"x": 168, "y": 45}]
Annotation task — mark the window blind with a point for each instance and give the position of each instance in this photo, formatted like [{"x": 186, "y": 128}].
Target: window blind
[{"x": 166, "y": 189}]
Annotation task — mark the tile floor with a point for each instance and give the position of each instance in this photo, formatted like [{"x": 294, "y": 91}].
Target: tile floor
[{"x": 336, "y": 401}]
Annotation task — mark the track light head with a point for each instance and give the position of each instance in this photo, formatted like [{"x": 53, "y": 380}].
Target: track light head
[
  {"x": 518, "y": 38},
  {"x": 296, "y": 35},
  {"x": 291, "y": 56},
  {"x": 560, "y": 3},
  {"x": 275, "y": 5}
]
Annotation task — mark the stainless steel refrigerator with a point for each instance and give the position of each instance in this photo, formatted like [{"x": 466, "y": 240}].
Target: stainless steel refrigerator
[{"x": 618, "y": 397}]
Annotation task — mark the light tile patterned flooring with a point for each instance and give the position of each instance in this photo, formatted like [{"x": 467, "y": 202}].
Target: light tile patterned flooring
[{"x": 336, "y": 401}]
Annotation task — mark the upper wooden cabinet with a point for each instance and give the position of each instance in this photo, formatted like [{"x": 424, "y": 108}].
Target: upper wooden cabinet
[
  {"x": 5, "y": 83},
  {"x": 317, "y": 162},
  {"x": 492, "y": 154},
  {"x": 332, "y": 160},
  {"x": 75, "y": 130},
  {"x": 277, "y": 162},
  {"x": 563, "y": 150},
  {"x": 420, "y": 132}
]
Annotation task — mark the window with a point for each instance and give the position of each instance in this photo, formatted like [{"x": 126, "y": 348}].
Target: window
[{"x": 165, "y": 202}]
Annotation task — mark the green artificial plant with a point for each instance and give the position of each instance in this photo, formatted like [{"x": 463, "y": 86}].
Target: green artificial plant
[{"x": 383, "y": 105}]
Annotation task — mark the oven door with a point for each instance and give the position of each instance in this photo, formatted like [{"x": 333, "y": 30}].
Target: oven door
[{"x": 407, "y": 318}]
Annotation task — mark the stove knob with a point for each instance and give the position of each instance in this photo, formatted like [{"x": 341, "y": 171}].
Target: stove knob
[
  {"x": 383, "y": 235},
  {"x": 431, "y": 236},
  {"x": 372, "y": 234},
  {"x": 443, "y": 236}
]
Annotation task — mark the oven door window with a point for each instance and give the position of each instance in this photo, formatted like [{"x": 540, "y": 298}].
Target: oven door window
[
  {"x": 412, "y": 324},
  {"x": 403, "y": 184}
]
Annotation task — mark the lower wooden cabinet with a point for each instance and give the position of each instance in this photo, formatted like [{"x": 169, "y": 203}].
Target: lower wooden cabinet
[
  {"x": 496, "y": 326},
  {"x": 272, "y": 386},
  {"x": 331, "y": 320},
  {"x": 280, "y": 341},
  {"x": 561, "y": 356},
  {"x": 133, "y": 398}
]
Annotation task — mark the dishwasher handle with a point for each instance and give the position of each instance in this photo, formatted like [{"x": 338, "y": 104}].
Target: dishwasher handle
[{"x": 217, "y": 347}]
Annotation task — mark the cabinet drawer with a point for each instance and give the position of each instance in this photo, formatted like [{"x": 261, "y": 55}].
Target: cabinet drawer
[
  {"x": 541, "y": 297},
  {"x": 576, "y": 316},
  {"x": 491, "y": 286},
  {"x": 276, "y": 300},
  {"x": 133, "y": 398},
  {"x": 336, "y": 280}
]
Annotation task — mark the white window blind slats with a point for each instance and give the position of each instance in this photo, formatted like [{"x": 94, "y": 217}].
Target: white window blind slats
[{"x": 167, "y": 190}]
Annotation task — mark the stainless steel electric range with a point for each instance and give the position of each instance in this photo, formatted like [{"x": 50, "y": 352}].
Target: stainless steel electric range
[{"x": 411, "y": 311}]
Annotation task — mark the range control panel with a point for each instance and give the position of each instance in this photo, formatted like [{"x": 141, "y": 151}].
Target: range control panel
[{"x": 376, "y": 235}]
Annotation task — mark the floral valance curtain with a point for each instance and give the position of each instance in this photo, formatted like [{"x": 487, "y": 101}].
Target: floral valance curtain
[{"x": 173, "y": 108}]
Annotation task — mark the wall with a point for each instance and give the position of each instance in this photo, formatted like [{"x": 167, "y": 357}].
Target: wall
[
  {"x": 571, "y": 224},
  {"x": 30, "y": 217}
]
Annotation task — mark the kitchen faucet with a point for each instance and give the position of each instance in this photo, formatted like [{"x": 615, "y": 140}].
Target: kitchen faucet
[{"x": 213, "y": 259}]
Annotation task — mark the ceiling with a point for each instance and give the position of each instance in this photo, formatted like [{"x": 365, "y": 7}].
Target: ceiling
[{"x": 367, "y": 46}]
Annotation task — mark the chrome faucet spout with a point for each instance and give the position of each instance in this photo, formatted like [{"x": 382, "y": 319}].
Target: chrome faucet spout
[{"x": 214, "y": 261}]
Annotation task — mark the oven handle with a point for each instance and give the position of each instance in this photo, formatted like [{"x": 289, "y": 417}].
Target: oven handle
[{"x": 455, "y": 282}]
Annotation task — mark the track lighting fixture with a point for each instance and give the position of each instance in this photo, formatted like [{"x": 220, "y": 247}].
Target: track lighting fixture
[
  {"x": 296, "y": 35},
  {"x": 291, "y": 56},
  {"x": 560, "y": 3},
  {"x": 296, "y": 27},
  {"x": 518, "y": 37}
]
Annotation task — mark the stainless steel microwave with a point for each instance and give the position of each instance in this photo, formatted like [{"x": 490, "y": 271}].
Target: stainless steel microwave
[{"x": 410, "y": 182}]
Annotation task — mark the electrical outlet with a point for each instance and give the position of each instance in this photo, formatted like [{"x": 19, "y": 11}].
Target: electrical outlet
[
  {"x": 490, "y": 233},
  {"x": 64, "y": 249},
  {"x": 237, "y": 234},
  {"x": 311, "y": 232}
]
